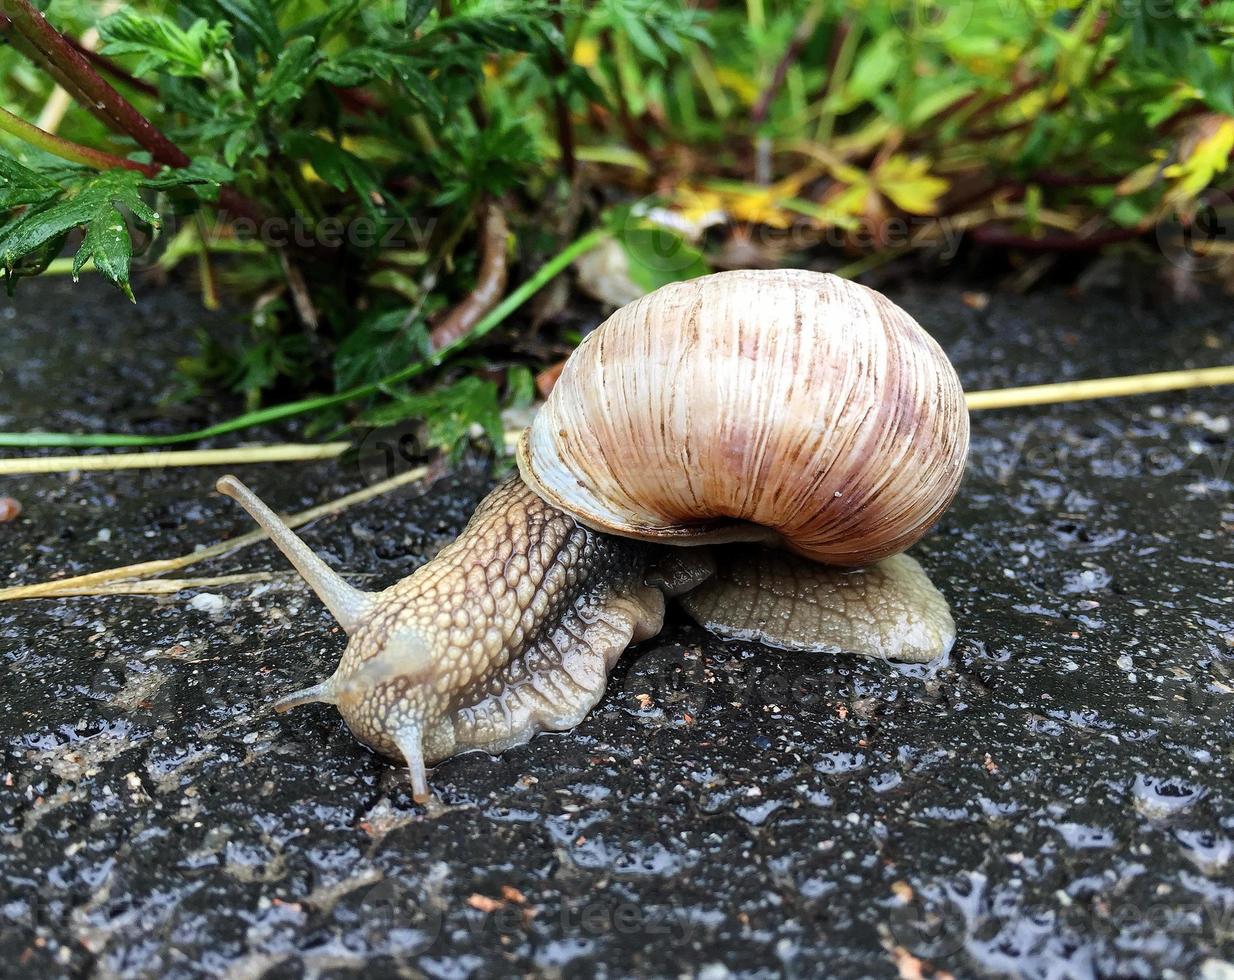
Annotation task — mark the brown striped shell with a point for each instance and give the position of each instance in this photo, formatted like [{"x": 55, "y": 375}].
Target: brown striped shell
[{"x": 781, "y": 404}]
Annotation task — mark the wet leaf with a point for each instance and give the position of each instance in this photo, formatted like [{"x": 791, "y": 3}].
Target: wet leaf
[
  {"x": 20, "y": 185},
  {"x": 416, "y": 12},
  {"x": 107, "y": 242},
  {"x": 292, "y": 74},
  {"x": 97, "y": 204},
  {"x": 254, "y": 18}
]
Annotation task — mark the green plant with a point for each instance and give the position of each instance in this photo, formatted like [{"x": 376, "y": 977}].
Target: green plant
[{"x": 372, "y": 179}]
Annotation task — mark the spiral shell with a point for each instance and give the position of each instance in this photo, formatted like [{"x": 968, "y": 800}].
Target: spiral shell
[{"x": 784, "y": 404}]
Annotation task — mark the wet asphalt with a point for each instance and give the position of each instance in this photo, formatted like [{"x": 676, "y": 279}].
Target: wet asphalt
[{"x": 1053, "y": 801}]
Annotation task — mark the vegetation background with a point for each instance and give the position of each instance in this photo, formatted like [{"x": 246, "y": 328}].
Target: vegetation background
[{"x": 380, "y": 185}]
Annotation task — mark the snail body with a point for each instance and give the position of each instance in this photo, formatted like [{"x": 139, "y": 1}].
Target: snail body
[{"x": 761, "y": 445}]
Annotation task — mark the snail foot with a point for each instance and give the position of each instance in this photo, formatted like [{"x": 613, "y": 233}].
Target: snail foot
[{"x": 889, "y": 610}]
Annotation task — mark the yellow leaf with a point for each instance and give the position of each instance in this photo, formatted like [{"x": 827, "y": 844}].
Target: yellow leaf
[
  {"x": 586, "y": 52},
  {"x": 910, "y": 185},
  {"x": 825, "y": 215},
  {"x": 759, "y": 207},
  {"x": 1209, "y": 156},
  {"x": 696, "y": 205},
  {"x": 1030, "y": 104},
  {"x": 851, "y": 200},
  {"x": 1139, "y": 179},
  {"x": 846, "y": 173},
  {"x": 742, "y": 85}
]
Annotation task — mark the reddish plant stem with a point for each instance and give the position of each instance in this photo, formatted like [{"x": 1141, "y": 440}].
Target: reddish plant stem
[
  {"x": 87, "y": 83},
  {"x": 33, "y": 54},
  {"x": 801, "y": 36},
  {"x": 988, "y": 235},
  {"x": 565, "y": 128},
  {"x": 105, "y": 64},
  {"x": 490, "y": 282}
]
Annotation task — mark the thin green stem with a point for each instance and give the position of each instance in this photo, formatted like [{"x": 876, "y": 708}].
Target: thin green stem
[
  {"x": 907, "y": 78},
  {"x": 66, "y": 149},
  {"x": 838, "y": 79},
  {"x": 756, "y": 17},
  {"x": 276, "y": 413}
]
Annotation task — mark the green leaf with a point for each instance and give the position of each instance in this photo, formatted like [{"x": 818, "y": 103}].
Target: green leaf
[
  {"x": 34, "y": 262},
  {"x": 97, "y": 200},
  {"x": 163, "y": 45},
  {"x": 292, "y": 74},
  {"x": 423, "y": 91},
  {"x": 520, "y": 386},
  {"x": 875, "y": 67},
  {"x": 255, "y": 17},
  {"x": 237, "y": 142},
  {"x": 201, "y": 170},
  {"x": 381, "y": 344},
  {"x": 509, "y": 32},
  {"x": 338, "y": 167},
  {"x": 642, "y": 40},
  {"x": 657, "y": 256},
  {"x": 107, "y": 242},
  {"x": 416, "y": 13},
  {"x": 340, "y": 16},
  {"x": 447, "y": 414},
  {"x": 19, "y": 185}
]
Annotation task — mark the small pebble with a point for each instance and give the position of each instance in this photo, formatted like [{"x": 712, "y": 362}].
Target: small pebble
[
  {"x": 208, "y": 602},
  {"x": 1214, "y": 969},
  {"x": 9, "y": 509}
]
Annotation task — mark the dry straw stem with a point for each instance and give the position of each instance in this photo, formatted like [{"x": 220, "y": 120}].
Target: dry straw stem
[
  {"x": 167, "y": 586},
  {"x": 89, "y": 583},
  {"x": 284, "y": 453},
  {"x": 1074, "y": 391}
]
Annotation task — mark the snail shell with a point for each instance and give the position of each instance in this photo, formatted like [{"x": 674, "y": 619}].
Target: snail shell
[{"x": 786, "y": 405}]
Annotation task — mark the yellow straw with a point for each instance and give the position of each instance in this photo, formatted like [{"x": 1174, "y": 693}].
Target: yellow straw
[
  {"x": 287, "y": 452},
  {"x": 1074, "y": 391},
  {"x": 146, "y": 569}
]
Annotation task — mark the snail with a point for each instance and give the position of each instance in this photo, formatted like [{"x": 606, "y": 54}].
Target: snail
[{"x": 761, "y": 445}]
